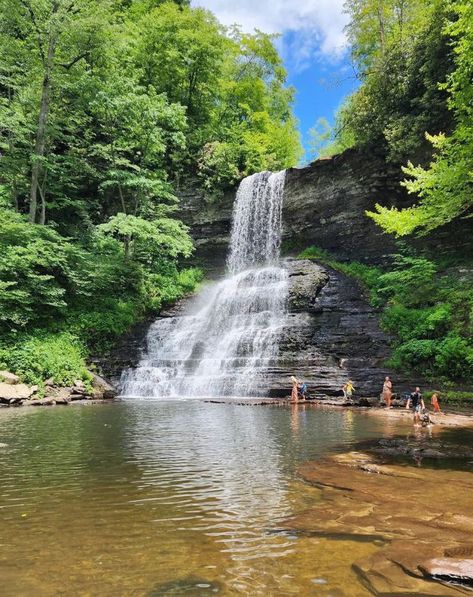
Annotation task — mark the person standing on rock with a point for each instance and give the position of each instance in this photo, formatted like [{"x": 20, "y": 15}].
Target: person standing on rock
[
  {"x": 434, "y": 401},
  {"x": 348, "y": 390},
  {"x": 295, "y": 389},
  {"x": 387, "y": 391},
  {"x": 416, "y": 403}
]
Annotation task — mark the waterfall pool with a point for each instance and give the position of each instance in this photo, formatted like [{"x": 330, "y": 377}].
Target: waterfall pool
[{"x": 169, "y": 498}]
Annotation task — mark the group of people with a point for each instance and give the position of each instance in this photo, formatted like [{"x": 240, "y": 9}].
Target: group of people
[
  {"x": 300, "y": 391},
  {"x": 415, "y": 400}
]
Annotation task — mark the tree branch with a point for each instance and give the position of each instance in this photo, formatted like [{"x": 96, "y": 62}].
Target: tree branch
[
  {"x": 36, "y": 26},
  {"x": 69, "y": 65}
]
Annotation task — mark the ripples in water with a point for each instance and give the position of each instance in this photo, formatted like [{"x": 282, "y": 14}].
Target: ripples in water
[{"x": 130, "y": 497}]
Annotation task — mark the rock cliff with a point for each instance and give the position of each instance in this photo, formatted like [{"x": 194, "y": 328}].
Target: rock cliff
[
  {"x": 324, "y": 205},
  {"x": 331, "y": 335}
]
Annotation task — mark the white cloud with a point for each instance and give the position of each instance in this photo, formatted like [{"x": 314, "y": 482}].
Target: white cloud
[{"x": 316, "y": 27}]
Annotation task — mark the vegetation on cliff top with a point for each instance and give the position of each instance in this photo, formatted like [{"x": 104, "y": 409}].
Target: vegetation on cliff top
[
  {"x": 414, "y": 104},
  {"x": 104, "y": 108}
]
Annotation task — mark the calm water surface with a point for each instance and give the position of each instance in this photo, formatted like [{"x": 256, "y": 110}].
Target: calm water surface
[{"x": 168, "y": 498}]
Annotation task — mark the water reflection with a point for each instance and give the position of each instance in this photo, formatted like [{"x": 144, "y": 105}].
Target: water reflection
[{"x": 149, "y": 494}]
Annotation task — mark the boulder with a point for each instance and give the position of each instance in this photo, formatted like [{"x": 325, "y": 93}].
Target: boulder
[
  {"x": 102, "y": 387},
  {"x": 16, "y": 392},
  {"x": 306, "y": 281},
  {"x": 449, "y": 569},
  {"x": 8, "y": 377},
  {"x": 39, "y": 402}
]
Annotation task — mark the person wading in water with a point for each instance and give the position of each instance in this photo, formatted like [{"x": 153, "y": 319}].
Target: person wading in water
[
  {"x": 416, "y": 402},
  {"x": 387, "y": 391}
]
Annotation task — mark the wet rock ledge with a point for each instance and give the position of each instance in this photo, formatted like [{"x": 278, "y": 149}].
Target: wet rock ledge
[
  {"x": 421, "y": 519},
  {"x": 15, "y": 393}
]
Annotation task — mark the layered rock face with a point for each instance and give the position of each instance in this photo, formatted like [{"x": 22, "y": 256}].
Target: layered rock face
[
  {"x": 332, "y": 335},
  {"x": 324, "y": 205}
]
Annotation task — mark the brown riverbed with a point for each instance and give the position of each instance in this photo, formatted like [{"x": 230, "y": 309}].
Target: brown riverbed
[{"x": 168, "y": 498}]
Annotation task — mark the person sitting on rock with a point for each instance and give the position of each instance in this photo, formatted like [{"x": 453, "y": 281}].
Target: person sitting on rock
[{"x": 416, "y": 403}]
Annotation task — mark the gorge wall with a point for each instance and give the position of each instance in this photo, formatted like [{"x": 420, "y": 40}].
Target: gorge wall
[
  {"x": 324, "y": 205},
  {"x": 332, "y": 332}
]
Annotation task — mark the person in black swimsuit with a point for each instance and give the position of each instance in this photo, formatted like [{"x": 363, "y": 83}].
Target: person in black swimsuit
[{"x": 416, "y": 403}]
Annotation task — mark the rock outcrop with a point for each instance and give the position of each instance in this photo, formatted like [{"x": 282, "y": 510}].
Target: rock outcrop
[
  {"x": 324, "y": 205},
  {"x": 420, "y": 519},
  {"x": 14, "y": 393},
  {"x": 331, "y": 335}
]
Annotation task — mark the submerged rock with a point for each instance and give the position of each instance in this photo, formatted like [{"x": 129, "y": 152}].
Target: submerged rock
[
  {"x": 418, "y": 515},
  {"x": 191, "y": 585}
]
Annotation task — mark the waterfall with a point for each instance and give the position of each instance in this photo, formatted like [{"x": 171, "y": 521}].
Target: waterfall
[{"x": 227, "y": 339}]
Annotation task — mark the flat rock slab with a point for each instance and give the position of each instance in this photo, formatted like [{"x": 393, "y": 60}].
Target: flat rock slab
[
  {"x": 17, "y": 391},
  {"x": 452, "y": 569},
  {"x": 420, "y": 516}
]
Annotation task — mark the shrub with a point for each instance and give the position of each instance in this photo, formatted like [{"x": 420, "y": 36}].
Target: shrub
[
  {"x": 430, "y": 316},
  {"x": 39, "y": 356},
  {"x": 409, "y": 323}
]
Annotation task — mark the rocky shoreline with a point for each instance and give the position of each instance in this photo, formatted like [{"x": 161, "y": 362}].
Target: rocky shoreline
[
  {"x": 13, "y": 393},
  {"x": 419, "y": 517}
]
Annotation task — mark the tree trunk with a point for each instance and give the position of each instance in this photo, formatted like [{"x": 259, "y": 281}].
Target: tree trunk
[
  {"x": 40, "y": 144},
  {"x": 382, "y": 36}
]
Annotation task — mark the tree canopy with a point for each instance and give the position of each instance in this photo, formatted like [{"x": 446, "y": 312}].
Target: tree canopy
[{"x": 106, "y": 107}]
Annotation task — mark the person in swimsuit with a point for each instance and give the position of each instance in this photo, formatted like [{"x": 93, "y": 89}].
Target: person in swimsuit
[
  {"x": 416, "y": 403},
  {"x": 434, "y": 401},
  {"x": 387, "y": 391}
]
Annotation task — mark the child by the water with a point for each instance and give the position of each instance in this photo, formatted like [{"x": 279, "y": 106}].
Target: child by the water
[
  {"x": 387, "y": 391},
  {"x": 295, "y": 389},
  {"x": 434, "y": 401},
  {"x": 348, "y": 389}
]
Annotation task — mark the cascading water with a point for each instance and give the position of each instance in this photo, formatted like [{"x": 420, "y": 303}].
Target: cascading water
[{"x": 226, "y": 341}]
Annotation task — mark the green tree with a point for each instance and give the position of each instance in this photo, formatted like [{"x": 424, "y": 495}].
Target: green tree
[
  {"x": 402, "y": 56},
  {"x": 445, "y": 188}
]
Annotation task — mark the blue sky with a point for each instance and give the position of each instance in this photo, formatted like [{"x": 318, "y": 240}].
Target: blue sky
[{"x": 312, "y": 44}]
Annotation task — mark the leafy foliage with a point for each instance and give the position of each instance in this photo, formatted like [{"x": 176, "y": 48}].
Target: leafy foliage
[
  {"x": 428, "y": 313},
  {"x": 445, "y": 188},
  {"x": 104, "y": 108},
  {"x": 401, "y": 56}
]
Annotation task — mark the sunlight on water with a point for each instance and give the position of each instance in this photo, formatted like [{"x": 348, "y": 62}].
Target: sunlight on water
[{"x": 161, "y": 497}]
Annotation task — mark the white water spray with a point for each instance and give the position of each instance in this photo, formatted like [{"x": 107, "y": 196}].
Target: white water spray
[{"x": 227, "y": 340}]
